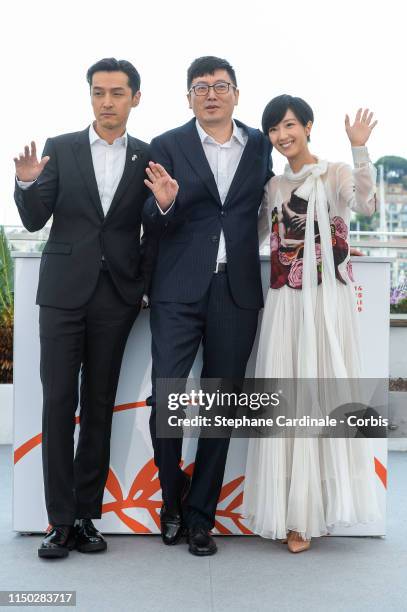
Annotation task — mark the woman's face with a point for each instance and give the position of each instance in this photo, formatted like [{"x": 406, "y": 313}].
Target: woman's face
[{"x": 289, "y": 137}]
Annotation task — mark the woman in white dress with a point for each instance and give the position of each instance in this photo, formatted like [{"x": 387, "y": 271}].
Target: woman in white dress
[{"x": 299, "y": 488}]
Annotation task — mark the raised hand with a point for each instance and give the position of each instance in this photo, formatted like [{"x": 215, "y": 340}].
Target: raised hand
[
  {"x": 164, "y": 187},
  {"x": 359, "y": 132},
  {"x": 28, "y": 168}
]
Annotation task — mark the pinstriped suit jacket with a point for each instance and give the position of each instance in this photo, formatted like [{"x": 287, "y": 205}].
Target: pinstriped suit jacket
[{"x": 189, "y": 233}]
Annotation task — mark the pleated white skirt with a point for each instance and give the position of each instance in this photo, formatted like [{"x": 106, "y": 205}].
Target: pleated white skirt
[{"x": 307, "y": 485}]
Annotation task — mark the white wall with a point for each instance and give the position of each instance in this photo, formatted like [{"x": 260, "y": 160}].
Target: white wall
[
  {"x": 6, "y": 414},
  {"x": 398, "y": 352}
]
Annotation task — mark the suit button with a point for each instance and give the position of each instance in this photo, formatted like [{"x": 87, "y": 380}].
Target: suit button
[
  {"x": 223, "y": 214},
  {"x": 214, "y": 238}
]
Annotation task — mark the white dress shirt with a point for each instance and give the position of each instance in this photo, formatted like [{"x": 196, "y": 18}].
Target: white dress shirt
[
  {"x": 108, "y": 164},
  {"x": 223, "y": 160}
]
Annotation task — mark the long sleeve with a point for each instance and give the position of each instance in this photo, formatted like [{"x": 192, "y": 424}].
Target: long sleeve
[
  {"x": 24, "y": 184},
  {"x": 263, "y": 224},
  {"x": 36, "y": 203},
  {"x": 265, "y": 211},
  {"x": 149, "y": 249},
  {"x": 153, "y": 218},
  {"x": 356, "y": 187}
]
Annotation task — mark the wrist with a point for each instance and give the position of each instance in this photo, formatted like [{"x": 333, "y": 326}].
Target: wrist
[
  {"x": 360, "y": 156},
  {"x": 27, "y": 179},
  {"x": 164, "y": 205},
  {"x": 162, "y": 208}
]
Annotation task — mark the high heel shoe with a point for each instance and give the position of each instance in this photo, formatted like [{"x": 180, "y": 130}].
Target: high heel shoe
[{"x": 296, "y": 543}]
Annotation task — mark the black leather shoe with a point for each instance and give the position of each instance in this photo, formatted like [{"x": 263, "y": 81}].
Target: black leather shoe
[
  {"x": 58, "y": 542},
  {"x": 201, "y": 543},
  {"x": 88, "y": 538},
  {"x": 172, "y": 528}
]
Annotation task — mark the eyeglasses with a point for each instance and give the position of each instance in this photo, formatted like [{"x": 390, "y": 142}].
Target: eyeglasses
[{"x": 202, "y": 89}]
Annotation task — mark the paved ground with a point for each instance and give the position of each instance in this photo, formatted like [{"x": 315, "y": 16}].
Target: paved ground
[{"x": 140, "y": 574}]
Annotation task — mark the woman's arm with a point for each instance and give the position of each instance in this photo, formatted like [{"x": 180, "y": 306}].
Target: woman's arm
[
  {"x": 356, "y": 187},
  {"x": 264, "y": 218}
]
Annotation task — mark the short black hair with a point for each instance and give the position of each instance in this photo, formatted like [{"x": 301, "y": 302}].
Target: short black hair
[
  {"x": 208, "y": 64},
  {"x": 277, "y": 108},
  {"x": 111, "y": 64}
]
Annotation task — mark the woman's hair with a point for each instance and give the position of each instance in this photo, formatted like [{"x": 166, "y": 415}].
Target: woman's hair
[{"x": 276, "y": 109}]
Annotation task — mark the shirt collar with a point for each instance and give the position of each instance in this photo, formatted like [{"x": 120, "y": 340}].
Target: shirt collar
[
  {"x": 237, "y": 134},
  {"x": 94, "y": 137}
]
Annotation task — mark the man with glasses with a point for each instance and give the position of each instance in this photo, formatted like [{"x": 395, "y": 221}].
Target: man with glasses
[{"x": 207, "y": 179}]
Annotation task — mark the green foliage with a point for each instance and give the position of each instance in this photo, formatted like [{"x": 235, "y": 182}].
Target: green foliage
[
  {"x": 366, "y": 224},
  {"x": 6, "y": 310},
  {"x": 6, "y": 278},
  {"x": 400, "y": 307},
  {"x": 392, "y": 163}
]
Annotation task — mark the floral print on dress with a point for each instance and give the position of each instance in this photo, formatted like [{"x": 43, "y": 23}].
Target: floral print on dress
[
  {"x": 349, "y": 270},
  {"x": 287, "y": 244}
]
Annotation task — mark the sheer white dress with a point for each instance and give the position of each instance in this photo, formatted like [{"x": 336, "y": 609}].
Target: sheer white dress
[{"x": 310, "y": 329}]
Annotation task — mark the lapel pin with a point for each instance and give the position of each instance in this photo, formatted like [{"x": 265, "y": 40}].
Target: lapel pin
[{"x": 134, "y": 157}]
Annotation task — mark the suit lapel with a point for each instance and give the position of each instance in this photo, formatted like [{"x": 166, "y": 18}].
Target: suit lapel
[
  {"x": 192, "y": 148},
  {"x": 133, "y": 159},
  {"x": 81, "y": 147},
  {"x": 245, "y": 164}
]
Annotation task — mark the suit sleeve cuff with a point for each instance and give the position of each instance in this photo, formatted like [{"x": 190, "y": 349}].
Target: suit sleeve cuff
[
  {"x": 164, "y": 212},
  {"x": 24, "y": 184}
]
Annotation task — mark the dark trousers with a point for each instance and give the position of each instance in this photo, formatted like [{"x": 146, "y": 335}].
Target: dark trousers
[
  {"x": 227, "y": 333},
  {"x": 89, "y": 341}
]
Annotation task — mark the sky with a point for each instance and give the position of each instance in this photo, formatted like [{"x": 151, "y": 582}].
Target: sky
[{"x": 337, "y": 55}]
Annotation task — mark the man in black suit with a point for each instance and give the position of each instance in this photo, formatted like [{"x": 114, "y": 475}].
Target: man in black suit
[
  {"x": 93, "y": 274},
  {"x": 207, "y": 179}
]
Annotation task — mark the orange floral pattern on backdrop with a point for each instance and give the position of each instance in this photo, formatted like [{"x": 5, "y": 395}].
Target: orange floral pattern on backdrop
[{"x": 146, "y": 486}]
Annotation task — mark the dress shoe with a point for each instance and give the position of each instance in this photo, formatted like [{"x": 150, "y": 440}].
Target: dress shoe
[
  {"x": 296, "y": 542},
  {"x": 172, "y": 528},
  {"x": 88, "y": 538},
  {"x": 201, "y": 543},
  {"x": 58, "y": 542}
]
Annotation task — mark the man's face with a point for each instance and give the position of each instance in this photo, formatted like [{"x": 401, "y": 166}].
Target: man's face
[
  {"x": 213, "y": 108},
  {"x": 112, "y": 99}
]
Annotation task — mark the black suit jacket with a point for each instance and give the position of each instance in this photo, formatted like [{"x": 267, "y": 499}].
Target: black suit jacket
[
  {"x": 189, "y": 233},
  {"x": 80, "y": 233}
]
